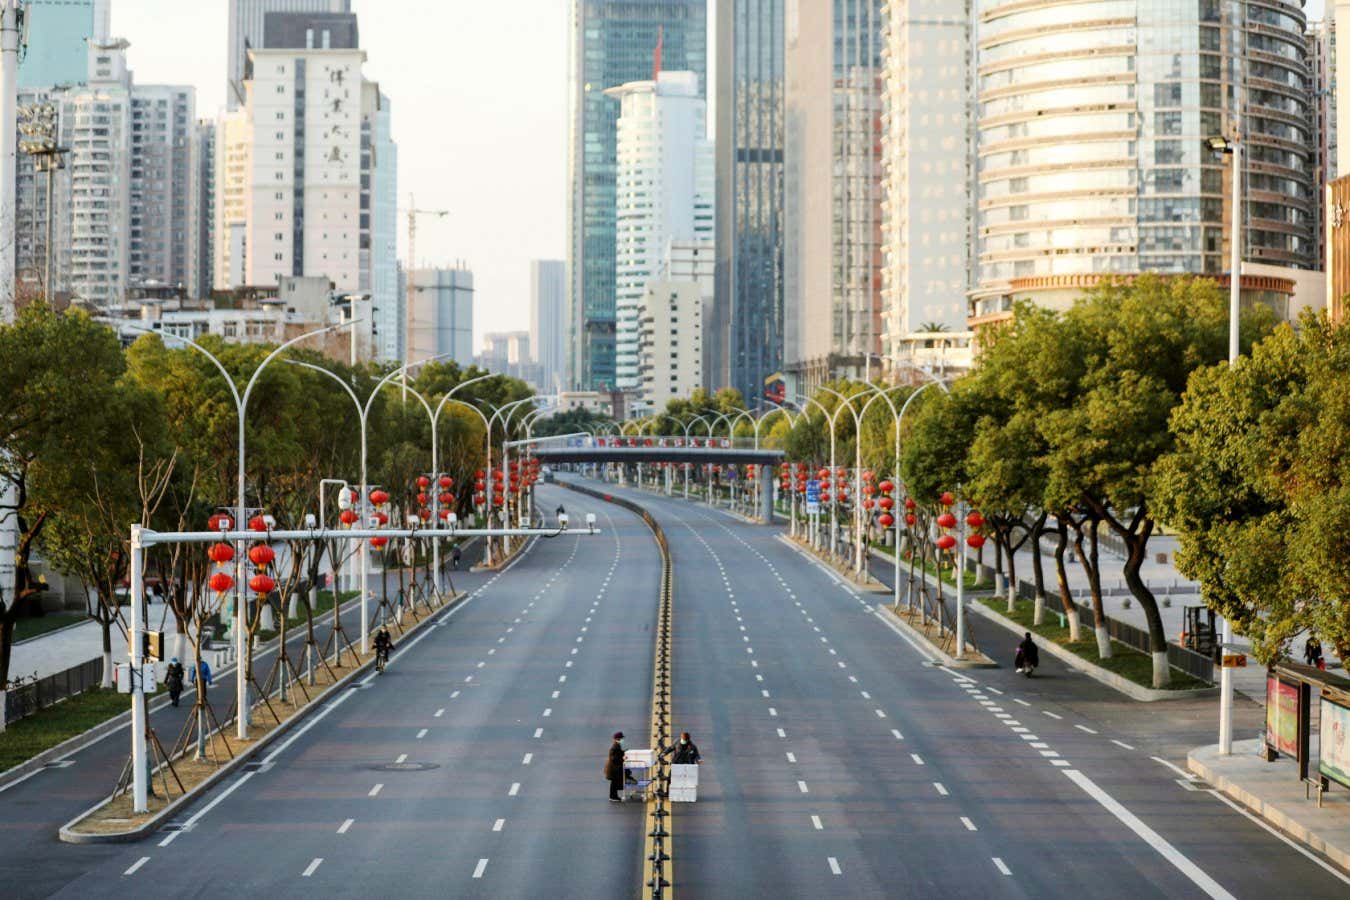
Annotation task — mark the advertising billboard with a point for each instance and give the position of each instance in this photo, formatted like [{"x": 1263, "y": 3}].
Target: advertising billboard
[
  {"x": 1282, "y": 715},
  {"x": 1334, "y": 753}
]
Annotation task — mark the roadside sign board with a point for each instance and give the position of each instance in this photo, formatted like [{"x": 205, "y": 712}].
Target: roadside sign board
[
  {"x": 1234, "y": 661},
  {"x": 813, "y": 497}
]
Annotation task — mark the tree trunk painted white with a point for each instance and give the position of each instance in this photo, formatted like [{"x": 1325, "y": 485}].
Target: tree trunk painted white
[
  {"x": 1075, "y": 625},
  {"x": 266, "y": 622},
  {"x": 1012, "y": 595},
  {"x": 1038, "y": 618},
  {"x": 107, "y": 682},
  {"x": 1000, "y": 583},
  {"x": 293, "y": 608},
  {"x": 1162, "y": 672},
  {"x": 2, "y": 710},
  {"x": 1103, "y": 642}
]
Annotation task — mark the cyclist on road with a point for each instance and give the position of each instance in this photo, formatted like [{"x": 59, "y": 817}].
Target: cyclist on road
[{"x": 384, "y": 644}]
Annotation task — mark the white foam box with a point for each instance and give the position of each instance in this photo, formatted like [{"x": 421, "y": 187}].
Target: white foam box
[
  {"x": 683, "y": 794},
  {"x": 638, "y": 759},
  {"x": 684, "y": 776}
]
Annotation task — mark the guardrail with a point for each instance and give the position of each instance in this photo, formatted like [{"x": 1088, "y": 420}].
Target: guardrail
[
  {"x": 23, "y": 698},
  {"x": 659, "y": 843}
]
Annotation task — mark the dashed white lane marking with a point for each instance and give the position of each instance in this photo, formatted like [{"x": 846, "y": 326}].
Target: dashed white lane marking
[
  {"x": 497, "y": 825},
  {"x": 791, "y": 757},
  {"x": 136, "y": 865},
  {"x": 468, "y": 679},
  {"x": 801, "y": 785},
  {"x": 1085, "y": 728},
  {"x": 1029, "y": 737},
  {"x": 548, "y": 712},
  {"x": 539, "y": 732},
  {"x": 526, "y": 760},
  {"x": 440, "y": 712},
  {"x": 772, "y": 711},
  {"x": 918, "y": 760},
  {"x": 865, "y": 695},
  {"x": 782, "y": 733},
  {"x": 834, "y": 866},
  {"x": 995, "y": 690},
  {"x": 309, "y": 870},
  {"x": 515, "y": 789},
  {"x": 454, "y": 695},
  {"x": 880, "y": 714},
  {"x": 970, "y": 826},
  {"x": 492, "y": 651},
  {"x": 1121, "y": 744},
  {"x": 898, "y": 735},
  {"x": 562, "y": 679},
  {"x": 1059, "y": 762},
  {"x": 1149, "y": 836},
  {"x": 346, "y": 824},
  {"x": 421, "y": 734},
  {"x": 555, "y": 694},
  {"x": 1021, "y": 701},
  {"x": 942, "y": 791},
  {"x": 478, "y": 869},
  {"x": 815, "y": 820},
  {"x": 568, "y": 664},
  {"x": 1052, "y": 715},
  {"x": 375, "y": 790},
  {"x": 402, "y": 757},
  {"x": 1002, "y": 866}
]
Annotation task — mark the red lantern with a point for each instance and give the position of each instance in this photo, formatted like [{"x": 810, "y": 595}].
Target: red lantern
[
  {"x": 261, "y": 554},
  {"x": 445, "y": 514},
  {"x": 423, "y": 499},
  {"x": 479, "y": 500},
  {"x": 909, "y": 503},
  {"x": 424, "y": 514},
  {"x": 219, "y": 522},
  {"x": 423, "y": 482},
  {"x": 910, "y": 519},
  {"x": 947, "y": 499},
  {"x": 496, "y": 474},
  {"x": 446, "y": 499},
  {"x": 823, "y": 474},
  {"x": 869, "y": 503},
  {"x": 479, "y": 474},
  {"x": 382, "y": 518},
  {"x": 220, "y": 553},
  {"x": 886, "y": 487},
  {"x": 257, "y": 523},
  {"x": 946, "y": 542},
  {"x": 447, "y": 482},
  {"x": 220, "y": 582},
  {"x": 378, "y": 543},
  {"x": 867, "y": 475},
  {"x": 261, "y": 584},
  {"x": 869, "y": 489},
  {"x": 886, "y": 503},
  {"x": 946, "y": 520},
  {"x": 886, "y": 520},
  {"x": 976, "y": 541},
  {"x": 348, "y": 517},
  {"x": 824, "y": 496},
  {"x": 379, "y": 497},
  {"x": 480, "y": 485},
  {"x": 975, "y": 520}
]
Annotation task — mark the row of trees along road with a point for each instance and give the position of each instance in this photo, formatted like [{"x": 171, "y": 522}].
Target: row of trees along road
[
  {"x": 98, "y": 438},
  {"x": 1120, "y": 413}
]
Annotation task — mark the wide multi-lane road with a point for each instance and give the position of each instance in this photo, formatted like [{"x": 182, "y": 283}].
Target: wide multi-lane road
[{"x": 839, "y": 761}]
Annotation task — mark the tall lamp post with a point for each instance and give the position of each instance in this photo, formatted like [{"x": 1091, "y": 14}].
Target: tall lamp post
[{"x": 39, "y": 128}]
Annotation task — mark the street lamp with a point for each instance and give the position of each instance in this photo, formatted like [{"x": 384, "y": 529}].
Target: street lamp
[{"x": 39, "y": 130}]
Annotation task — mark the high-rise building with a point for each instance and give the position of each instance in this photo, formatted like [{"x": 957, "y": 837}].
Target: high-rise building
[
  {"x": 246, "y": 32},
  {"x": 548, "y": 320},
  {"x": 832, "y": 189},
  {"x": 204, "y": 159},
  {"x": 164, "y": 206},
  {"x": 234, "y": 154},
  {"x": 1092, "y": 142},
  {"x": 59, "y": 32},
  {"x": 441, "y": 315},
  {"x": 670, "y": 342},
  {"x": 1322, "y": 120},
  {"x": 383, "y": 205},
  {"x": 743, "y": 334},
  {"x": 663, "y": 193},
  {"x": 611, "y": 44},
  {"x": 928, "y": 173}
]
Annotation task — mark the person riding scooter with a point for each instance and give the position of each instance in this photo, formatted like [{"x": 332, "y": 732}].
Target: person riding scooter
[{"x": 1028, "y": 656}]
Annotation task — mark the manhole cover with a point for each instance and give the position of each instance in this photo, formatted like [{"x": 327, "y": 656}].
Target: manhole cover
[{"x": 405, "y": 767}]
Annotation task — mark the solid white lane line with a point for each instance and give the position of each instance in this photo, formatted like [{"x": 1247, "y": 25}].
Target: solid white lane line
[
  {"x": 526, "y": 760},
  {"x": 1019, "y": 700},
  {"x": 375, "y": 790},
  {"x": 309, "y": 870},
  {"x": 791, "y": 757},
  {"x": 834, "y": 866},
  {"x": 1121, "y": 744},
  {"x": 898, "y": 735},
  {"x": 970, "y": 826},
  {"x": 1334, "y": 871},
  {"x": 478, "y": 869},
  {"x": 942, "y": 791},
  {"x": 815, "y": 820},
  {"x": 497, "y": 825},
  {"x": 136, "y": 865},
  {"x": 539, "y": 732},
  {"x": 402, "y": 758},
  {"x": 421, "y": 734},
  {"x": 346, "y": 824},
  {"x": 918, "y": 760},
  {"x": 440, "y": 712},
  {"x": 223, "y": 794},
  {"x": 515, "y": 789},
  {"x": 1084, "y": 728},
  {"x": 1149, "y": 836},
  {"x": 1180, "y": 771},
  {"x": 1052, "y": 715},
  {"x": 801, "y": 786},
  {"x": 1002, "y": 866}
]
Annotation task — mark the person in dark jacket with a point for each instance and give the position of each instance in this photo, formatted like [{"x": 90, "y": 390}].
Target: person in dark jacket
[
  {"x": 1028, "y": 654},
  {"x": 685, "y": 750},
  {"x": 173, "y": 680},
  {"x": 614, "y": 767}
]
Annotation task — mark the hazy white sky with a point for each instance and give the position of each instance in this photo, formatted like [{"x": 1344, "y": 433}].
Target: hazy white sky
[{"x": 479, "y": 94}]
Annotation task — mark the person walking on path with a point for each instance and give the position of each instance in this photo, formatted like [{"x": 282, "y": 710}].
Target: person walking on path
[
  {"x": 202, "y": 671},
  {"x": 173, "y": 680},
  {"x": 1312, "y": 652},
  {"x": 454, "y": 558},
  {"x": 614, "y": 767}
]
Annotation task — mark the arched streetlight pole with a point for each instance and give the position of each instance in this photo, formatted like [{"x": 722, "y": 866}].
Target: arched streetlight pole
[
  {"x": 687, "y": 442},
  {"x": 830, "y": 417},
  {"x": 847, "y": 402}
]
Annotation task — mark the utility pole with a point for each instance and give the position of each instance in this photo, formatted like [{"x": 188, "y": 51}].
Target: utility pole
[
  {"x": 409, "y": 328},
  {"x": 39, "y": 129}
]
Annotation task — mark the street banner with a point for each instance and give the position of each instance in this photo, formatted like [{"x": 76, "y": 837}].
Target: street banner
[
  {"x": 1334, "y": 753},
  {"x": 1282, "y": 716}
]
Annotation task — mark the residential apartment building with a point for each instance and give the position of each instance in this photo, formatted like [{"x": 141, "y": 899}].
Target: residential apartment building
[
  {"x": 165, "y": 208},
  {"x": 663, "y": 192},
  {"x": 744, "y": 330},
  {"x": 670, "y": 342},
  {"x": 233, "y": 171},
  {"x": 611, "y": 44},
  {"x": 247, "y": 21},
  {"x": 204, "y": 159},
  {"x": 548, "y": 320},
  {"x": 832, "y": 189},
  {"x": 381, "y": 199},
  {"x": 1322, "y": 120},
  {"x": 928, "y": 174}
]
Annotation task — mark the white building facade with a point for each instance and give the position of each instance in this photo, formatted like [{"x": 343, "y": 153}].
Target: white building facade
[
  {"x": 246, "y": 21},
  {"x": 670, "y": 342},
  {"x": 441, "y": 315},
  {"x": 665, "y": 192},
  {"x": 234, "y": 153}
]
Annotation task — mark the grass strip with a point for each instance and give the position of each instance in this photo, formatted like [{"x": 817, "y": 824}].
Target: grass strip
[
  {"x": 59, "y": 722},
  {"x": 1126, "y": 661},
  {"x": 32, "y": 627}
]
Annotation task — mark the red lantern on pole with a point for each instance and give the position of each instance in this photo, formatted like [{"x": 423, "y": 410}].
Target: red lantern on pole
[
  {"x": 975, "y": 520},
  {"x": 946, "y": 520},
  {"x": 348, "y": 517},
  {"x": 479, "y": 500},
  {"x": 886, "y": 503},
  {"x": 423, "y": 499},
  {"x": 976, "y": 541},
  {"x": 261, "y": 584},
  {"x": 424, "y": 515},
  {"x": 445, "y": 514},
  {"x": 869, "y": 503},
  {"x": 909, "y": 503},
  {"x": 219, "y": 522},
  {"x": 946, "y": 542},
  {"x": 379, "y": 497},
  {"x": 261, "y": 554},
  {"x": 382, "y": 518},
  {"x": 446, "y": 499},
  {"x": 447, "y": 482},
  {"x": 886, "y": 487},
  {"x": 220, "y": 582},
  {"x": 220, "y": 553},
  {"x": 886, "y": 520},
  {"x": 947, "y": 498},
  {"x": 423, "y": 482},
  {"x": 910, "y": 519},
  {"x": 378, "y": 542},
  {"x": 257, "y": 523}
]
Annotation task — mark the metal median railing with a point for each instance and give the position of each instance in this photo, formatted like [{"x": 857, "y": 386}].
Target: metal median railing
[{"x": 658, "y": 868}]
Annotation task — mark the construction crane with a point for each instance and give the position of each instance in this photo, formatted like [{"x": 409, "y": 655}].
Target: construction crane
[{"x": 412, "y": 212}]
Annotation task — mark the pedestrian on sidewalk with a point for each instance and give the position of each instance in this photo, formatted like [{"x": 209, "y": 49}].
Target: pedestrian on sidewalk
[
  {"x": 173, "y": 680},
  {"x": 1312, "y": 652},
  {"x": 203, "y": 671},
  {"x": 614, "y": 767},
  {"x": 454, "y": 557}
]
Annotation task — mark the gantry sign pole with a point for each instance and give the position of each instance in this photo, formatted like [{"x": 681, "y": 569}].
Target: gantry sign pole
[{"x": 141, "y": 538}]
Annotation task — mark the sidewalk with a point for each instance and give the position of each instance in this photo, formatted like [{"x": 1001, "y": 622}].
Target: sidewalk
[
  {"x": 1273, "y": 792},
  {"x": 57, "y": 651}
]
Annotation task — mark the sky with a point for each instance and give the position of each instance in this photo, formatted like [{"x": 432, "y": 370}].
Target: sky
[{"x": 480, "y": 117}]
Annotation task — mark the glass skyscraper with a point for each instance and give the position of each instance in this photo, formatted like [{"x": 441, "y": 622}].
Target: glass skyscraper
[
  {"x": 746, "y": 331},
  {"x": 612, "y": 43}
]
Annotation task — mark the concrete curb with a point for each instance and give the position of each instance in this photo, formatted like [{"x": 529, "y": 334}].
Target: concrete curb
[
  {"x": 1263, "y": 808},
  {"x": 1108, "y": 678},
  {"x": 55, "y": 631},
  {"x": 917, "y": 636},
  {"x": 243, "y": 757}
]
